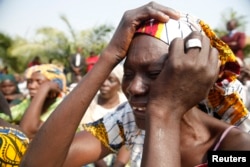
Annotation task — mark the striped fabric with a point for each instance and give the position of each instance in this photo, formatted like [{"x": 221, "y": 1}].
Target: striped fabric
[{"x": 119, "y": 128}]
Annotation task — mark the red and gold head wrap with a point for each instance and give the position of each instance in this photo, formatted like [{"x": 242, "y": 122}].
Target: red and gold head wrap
[{"x": 224, "y": 98}]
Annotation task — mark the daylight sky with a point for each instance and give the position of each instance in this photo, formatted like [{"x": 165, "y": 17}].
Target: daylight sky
[{"x": 24, "y": 17}]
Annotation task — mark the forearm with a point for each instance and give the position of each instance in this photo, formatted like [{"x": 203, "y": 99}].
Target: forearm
[
  {"x": 30, "y": 121},
  {"x": 162, "y": 140},
  {"x": 51, "y": 144}
]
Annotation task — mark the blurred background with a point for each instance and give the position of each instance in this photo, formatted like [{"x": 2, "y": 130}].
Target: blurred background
[{"x": 55, "y": 29}]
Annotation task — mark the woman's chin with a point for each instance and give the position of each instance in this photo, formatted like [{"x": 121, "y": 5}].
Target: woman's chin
[{"x": 140, "y": 123}]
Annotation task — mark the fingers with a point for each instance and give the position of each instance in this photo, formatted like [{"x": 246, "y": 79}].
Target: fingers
[
  {"x": 152, "y": 10},
  {"x": 194, "y": 52},
  {"x": 160, "y": 12},
  {"x": 206, "y": 56},
  {"x": 191, "y": 45},
  {"x": 194, "y": 43},
  {"x": 131, "y": 21}
]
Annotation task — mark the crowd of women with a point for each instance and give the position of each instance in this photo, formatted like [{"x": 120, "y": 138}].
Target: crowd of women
[{"x": 184, "y": 97}]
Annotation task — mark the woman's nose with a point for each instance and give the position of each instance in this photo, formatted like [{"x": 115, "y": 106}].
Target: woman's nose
[
  {"x": 31, "y": 85},
  {"x": 137, "y": 87},
  {"x": 106, "y": 82}
]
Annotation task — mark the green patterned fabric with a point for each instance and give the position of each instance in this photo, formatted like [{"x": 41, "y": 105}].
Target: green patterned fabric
[{"x": 17, "y": 111}]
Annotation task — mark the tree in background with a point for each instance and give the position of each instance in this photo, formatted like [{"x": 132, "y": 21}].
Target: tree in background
[
  {"x": 52, "y": 44},
  {"x": 6, "y": 60}
]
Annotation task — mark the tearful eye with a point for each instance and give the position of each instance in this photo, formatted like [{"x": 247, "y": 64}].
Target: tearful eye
[
  {"x": 128, "y": 75},
  {"x": 154, "y": 74}
]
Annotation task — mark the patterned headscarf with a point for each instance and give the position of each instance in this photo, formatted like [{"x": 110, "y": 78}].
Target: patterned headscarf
[
  {"x": 11, "y": 78},
  {"x": 51, "y": 72},
  {"x": 118, "y": 72},
  {"x": 13, "y": 146},
  {"x": 224, "y": 98}
]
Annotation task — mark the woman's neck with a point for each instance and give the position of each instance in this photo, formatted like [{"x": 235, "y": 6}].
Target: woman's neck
[
  {"x": 192, "y": 125},
  {"x": 108, "y": 102}
]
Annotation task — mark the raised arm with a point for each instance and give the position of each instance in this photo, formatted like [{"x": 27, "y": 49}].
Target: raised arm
[
  {"x": 51, "y": 144},
  {"x": 31, "y": 122},
  {"x": 185, "y": 80}
]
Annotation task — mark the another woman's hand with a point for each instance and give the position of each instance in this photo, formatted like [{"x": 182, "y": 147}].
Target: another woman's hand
[{"x": 131, "y": 20}]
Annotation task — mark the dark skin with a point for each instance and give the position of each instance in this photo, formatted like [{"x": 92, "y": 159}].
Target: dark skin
[
  {"x": 43, "y": 93},
  {"x": 173, "y": 120},
  {"x": 143, "y": 65},
  {"x": 163, "y": 87},
  {"x": 66, "y": 118},
  {"x": 9, "y": 89}
]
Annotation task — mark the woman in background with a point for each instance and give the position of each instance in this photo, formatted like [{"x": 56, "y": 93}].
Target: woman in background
[
  {"x": 108, "y": 98},
  {"x": 10, "y": 90},
  {"x": 47, "y": 87}
]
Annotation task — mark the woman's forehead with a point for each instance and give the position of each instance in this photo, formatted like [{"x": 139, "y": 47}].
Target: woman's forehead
[
  {"x": 37, "y": 74},
  {"x": 145, "y": 48}
]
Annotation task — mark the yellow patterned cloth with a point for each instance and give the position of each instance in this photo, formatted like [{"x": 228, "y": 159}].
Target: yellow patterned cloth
[
  {"x": 229, "y": 106},
  {"x": 118, "y": 128},
  {"x": 13, "y": 144},
  {"x": 51, "y": 72}
]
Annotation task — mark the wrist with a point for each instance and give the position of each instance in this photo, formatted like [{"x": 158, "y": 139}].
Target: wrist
[
  {"x": 165, "y": 111},
  {"x": 110, "y": 56}
]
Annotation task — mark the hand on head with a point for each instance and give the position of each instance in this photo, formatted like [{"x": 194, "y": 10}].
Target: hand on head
[
  {"x": 53, "y": 89},
  {"x": 188, "y": 73},
  {"x": 130, "y": 22},
  {"x": 47, "y": 153}
]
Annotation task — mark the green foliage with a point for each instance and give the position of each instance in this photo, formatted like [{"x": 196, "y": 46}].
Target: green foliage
[
  {"x": 6, "y": 60},
  {"x": 52, "y": 44},
  {"x": 96, "y": 39},
  {"x": 5, "y": 41}
]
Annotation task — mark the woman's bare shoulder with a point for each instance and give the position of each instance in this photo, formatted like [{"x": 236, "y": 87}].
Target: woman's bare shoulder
[{"x": 236, "y": 140}]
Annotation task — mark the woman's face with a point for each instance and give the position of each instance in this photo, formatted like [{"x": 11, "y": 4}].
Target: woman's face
[
  {"x": 144, "y": 62},
  {"x": 34, "y": 82},
  {"x": 110, "y": 87},
  {"x": 8, "y": 87}
]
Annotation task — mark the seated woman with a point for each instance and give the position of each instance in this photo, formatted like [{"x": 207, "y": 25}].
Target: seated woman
[
  {"x": 47, "y": 88},
  {"x": 169, "y": 69}
]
